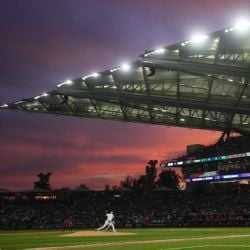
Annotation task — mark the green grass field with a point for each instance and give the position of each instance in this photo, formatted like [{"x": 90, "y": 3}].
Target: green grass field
[{"x": 144, "y": 239}]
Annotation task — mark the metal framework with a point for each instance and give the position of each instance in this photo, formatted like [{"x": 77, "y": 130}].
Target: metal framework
[{"x": 191, "y": 84}]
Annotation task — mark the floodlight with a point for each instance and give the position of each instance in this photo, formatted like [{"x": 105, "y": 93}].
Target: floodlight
[
  {"x": 95, "y": 74},
  {"x": 199, "y": 38},
  {"x": 64, "y": 83},
  {"x": 113, "y": 70},
  {"x": 160, "y": 51},
  {"x": 126, "y": 67},
  {"x": 242, "y": 25},
  {"x": 4, "y": 106},
  {"x": 68, "y": 82}
]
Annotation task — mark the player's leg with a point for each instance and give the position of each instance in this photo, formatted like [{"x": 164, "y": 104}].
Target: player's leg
[
  {"x": 64, "y": 226},
  {"x": 102, "y": 227},
  {"x": 108, "y": 227},
  {"x": 113, "y": 227}
]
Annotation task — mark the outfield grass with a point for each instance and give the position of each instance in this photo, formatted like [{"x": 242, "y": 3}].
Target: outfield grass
[{"x": 10, "y": 240}]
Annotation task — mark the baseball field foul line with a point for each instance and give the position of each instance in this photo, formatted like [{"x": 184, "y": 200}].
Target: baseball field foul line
[
  {"x": 202, "y": 246},
  {"x": 141, "y": 242}
]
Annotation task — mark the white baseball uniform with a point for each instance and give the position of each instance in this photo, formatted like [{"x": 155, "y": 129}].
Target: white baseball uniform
[{"x": 109, "y": 222}]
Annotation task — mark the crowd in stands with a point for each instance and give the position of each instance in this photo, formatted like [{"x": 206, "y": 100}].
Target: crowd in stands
[
  {"x": 138, "y": 207},
  {"x": 229, "y": 146},
  {"x": 132, "y": 209}
]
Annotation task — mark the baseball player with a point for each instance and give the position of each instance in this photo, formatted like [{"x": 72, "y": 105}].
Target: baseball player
[
  {"x": 68, "y": 223},
  {"x": 109, "y": 222}
]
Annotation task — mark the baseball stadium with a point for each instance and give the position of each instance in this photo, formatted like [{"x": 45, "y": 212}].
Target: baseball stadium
[{"x": 201, "y": 197}]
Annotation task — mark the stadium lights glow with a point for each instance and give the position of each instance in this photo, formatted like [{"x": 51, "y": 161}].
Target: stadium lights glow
[
  {"x": 160, "y": 51},
  {"x": 157, "y": 51},
  {"x": 67, "y": 82},
  {"x": 242, "y": 25},
  {"x": 4, "y": 106},
  {"x": 19, "y": 102},
  {"x": 125, "y": 67},
  {"x": 95, "y": 74},
  {"x": 199, "y": 38},
  {"x": 113, "y": 70},
  {"x": 37, "y": 97}
]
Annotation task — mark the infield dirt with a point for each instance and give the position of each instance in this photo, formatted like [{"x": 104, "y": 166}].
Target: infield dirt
[{"x": 95, "y": 233}]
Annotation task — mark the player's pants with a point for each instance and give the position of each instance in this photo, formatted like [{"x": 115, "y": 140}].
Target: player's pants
[
  {"x": 107, "y": 224},
  {"x": 111, "y": 224}
]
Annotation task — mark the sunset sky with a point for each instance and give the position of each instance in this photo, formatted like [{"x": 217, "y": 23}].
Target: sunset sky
[{"x": 44, "y": 42}]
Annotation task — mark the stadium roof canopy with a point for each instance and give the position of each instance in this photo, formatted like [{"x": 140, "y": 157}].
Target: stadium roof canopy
[{"x": 199, "y": 83}]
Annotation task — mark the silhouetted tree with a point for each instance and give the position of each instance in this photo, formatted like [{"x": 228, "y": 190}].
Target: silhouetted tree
[
  {"x": 144, "y": 182},
  {"x": 140, "y": 183},
  {"x": 168, "y": 178},
  {"x": 82, "y": 186},
  {"x": 128, "y": 182},
  {"x": 43, "y": 181},
  {"x": 63, "y": 190},
  {"x": 107, "y": 187},
  {"x": 115, "y": 188},
  {"x": 151, "y": 174}
]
